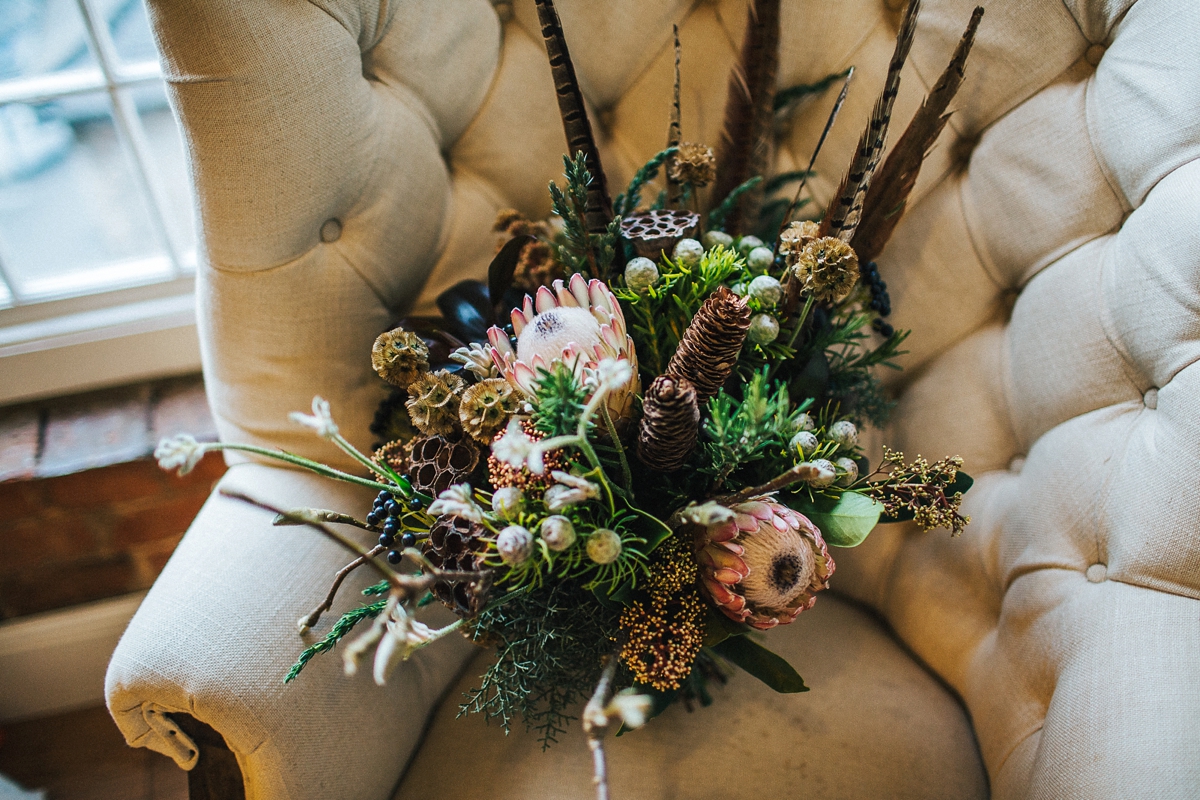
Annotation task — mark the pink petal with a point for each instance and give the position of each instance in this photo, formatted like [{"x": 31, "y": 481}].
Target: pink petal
[
  {"x": 545, "y": 300},
  {"x": 746, "y": 522},
  {"x": 599, "y": 295},
  {"x": 579, "y": 288},
  {"x": 499, "y": 341}
]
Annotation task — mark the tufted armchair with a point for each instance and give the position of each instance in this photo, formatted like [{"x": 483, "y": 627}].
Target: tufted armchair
[{"x": 348, "y": 158}]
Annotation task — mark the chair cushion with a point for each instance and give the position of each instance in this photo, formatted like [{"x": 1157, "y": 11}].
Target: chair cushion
[{"x": 874, "y": 724}]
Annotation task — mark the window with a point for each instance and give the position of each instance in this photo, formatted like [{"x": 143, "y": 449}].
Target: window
[{"x": 97, "y": 241}]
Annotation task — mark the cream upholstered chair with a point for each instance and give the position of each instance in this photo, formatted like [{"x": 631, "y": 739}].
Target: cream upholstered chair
[{"x": 349, "y": 157}]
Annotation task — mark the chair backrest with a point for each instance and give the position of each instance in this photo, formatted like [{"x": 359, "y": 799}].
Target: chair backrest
[{"x": 349, "y": 158}]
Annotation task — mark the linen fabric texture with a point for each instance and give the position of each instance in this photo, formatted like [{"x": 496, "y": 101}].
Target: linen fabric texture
[{"x": 1049, "y": 266}]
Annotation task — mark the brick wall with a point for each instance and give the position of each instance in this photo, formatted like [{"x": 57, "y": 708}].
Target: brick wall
[{"x": 85, "y": 513}]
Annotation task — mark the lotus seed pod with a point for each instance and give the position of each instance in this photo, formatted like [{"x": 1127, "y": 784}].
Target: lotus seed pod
[
  {"x": 508, "y": 502},
  {"x": 763, "y": 329},
  {"x": 766, "y": 289},
  {"x": 687, "y": 252},
  {"x": 717, "y": 239},
  {"x": 760, "y": 258},
  {"x": 805, "y": 422},
  {"x": 827, "y": 473},
  {"x": 847, "y": 471},
  {"x": 558, "y": 533},
  {"x": 603, "y": 546},
  {"x": 844, "y": 433},
  {"x": 640, "y": 274},
  {"x": 748, "y": 243},
  {"x": 515, "y": 544},
  {"x": 805, "y": 442}
]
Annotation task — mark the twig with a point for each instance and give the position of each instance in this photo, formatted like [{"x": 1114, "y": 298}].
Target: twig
[
  {"x": 314, "y": 616},
  {"x": 800, "y": 472},
  {"x": 595, "y": 726}
]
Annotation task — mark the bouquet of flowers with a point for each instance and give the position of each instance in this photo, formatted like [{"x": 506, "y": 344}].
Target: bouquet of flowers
[{"x": 637, "y": 443}]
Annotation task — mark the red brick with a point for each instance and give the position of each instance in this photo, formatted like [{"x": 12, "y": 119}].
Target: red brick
[
  {"x": 171, "y": 518},
  {"x": 19, "y": 433},
  {"x": 38, "y": 541},
  {"x": 96, "y": 429},
  {"x": 182, "y": 407},
  {"x": 61, "y": 585},
  {"x": 118, "y": 482}
]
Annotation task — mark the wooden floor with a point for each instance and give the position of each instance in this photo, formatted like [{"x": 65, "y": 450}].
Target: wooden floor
[{"x": 82, "y": 756}]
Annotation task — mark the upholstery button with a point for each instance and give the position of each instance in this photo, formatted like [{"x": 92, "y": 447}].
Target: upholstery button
[
  {"x": 1094, "y": 54},
  {"x": 331, "y": 230},
  {"x": 1150, "y": 398},
  {"x": 1097, "y": 573}
]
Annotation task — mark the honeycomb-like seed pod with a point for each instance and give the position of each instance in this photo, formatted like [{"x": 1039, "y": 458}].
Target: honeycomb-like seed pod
[
  {"x": 436, "y": 462},
  {"x": 655, "y": 232},
  {"x": 457, "y": 544},
  {"x": 710, "y": 346},
  {"x": 670, "y": 423}
]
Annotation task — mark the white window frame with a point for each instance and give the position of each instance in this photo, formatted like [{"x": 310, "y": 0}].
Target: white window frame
[{"x": 65, "y": 339}]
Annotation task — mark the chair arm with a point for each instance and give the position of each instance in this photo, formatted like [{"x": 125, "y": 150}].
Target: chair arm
[{"x": 218, "y": 631}]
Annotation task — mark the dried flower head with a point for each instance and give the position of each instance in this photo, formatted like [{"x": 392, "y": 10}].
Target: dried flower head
[
  {"x": 796, "y": 235},
  {"x": 433, "y": 402},
  {"x": 181, "y": 453},
  {"x": 321, "y": 420},
  {"x": 827, "y": 269},
  {"x": 695, "y": 164},
  {"x": 536, "y": 265},
  {"x": 486, "y": 407},
  {"x": 400, "y": 356}
]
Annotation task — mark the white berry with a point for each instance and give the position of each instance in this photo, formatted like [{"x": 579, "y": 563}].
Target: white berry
[
  {"x": 763, "y": 329},
  {"x": 687, "y": 252},
  {"x": 515, "y": 544},
  {"x": 717, "y": 239},
  {"x": 847, "y": 471},
  {"x": 508, "y": 502},
  {"x": 760, "y": 258},
  {"x": 748, "y": 243},
  {"x": 805, "y": 442},
  {"x": 640, "y": 274},
  {"x": 844, "y": 433},
  {"x": 826, "y": 473},
  {"x": 603, "y": 546},
  {"x": 766, "y": 289},
  {"x": 558, "y": 532}
]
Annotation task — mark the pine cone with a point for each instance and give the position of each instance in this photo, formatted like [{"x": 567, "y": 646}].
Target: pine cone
[
  {"x": 711, "y": 344},
  {"x": 653, "y": 232},
  {"x": 400, "y": 356},
  {"x": 486, "y": 407},
  {"x": 457, "y": 544},
  {"x": 670, "y": 423},
  {"x": 433, "y": 401},
  {"x": 694, "y": 164},
  {"x": 435, "y": 462}
]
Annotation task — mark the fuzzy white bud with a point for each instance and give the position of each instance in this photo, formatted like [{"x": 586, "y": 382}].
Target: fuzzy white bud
[
  {"x": 739, "y": 289},
  {"x": 844, "y": 433},
  {"x": 805, "y": 442},
  {"x": 847, "y": 471},
  {"x": 805, "y": 422},
  {"x": 764, "y": 329},
  {"x": 717, "y": 239},
  {"x": 766, "y": 289},
  {"x": 508, "y": 502},
  {"x": 558, "y": 532},
  {"x": 826, "y": 473},
  {"x": 687, "y": 252},
  {"x": 748, "y": 243},
  {"x": 640, "y": 274},
  {"x": 515, "y": 544},
  {"x": 760, "y": 259},
  {"x": 603, "y": 546}
]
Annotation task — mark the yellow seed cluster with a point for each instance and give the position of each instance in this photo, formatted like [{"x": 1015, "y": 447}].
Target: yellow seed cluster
[{"x": 664, "y": 635}]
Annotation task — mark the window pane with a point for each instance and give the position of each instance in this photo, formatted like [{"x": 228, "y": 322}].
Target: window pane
[
  {"x": 78, "y": 222},
  {"x": 130, "y": 29},
  {"x": 166, "y": 151},
  {"x": 42, "y": 36}
]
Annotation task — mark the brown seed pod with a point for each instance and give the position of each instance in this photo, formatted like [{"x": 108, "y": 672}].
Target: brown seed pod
[
  {"x": 457, "y": 544},
  {"x": 655, "y": 232},
  {"x": 436, "y": 462}
]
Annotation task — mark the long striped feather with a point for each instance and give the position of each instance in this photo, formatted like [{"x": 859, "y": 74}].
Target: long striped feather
[
  {"x": 675, "y": 130},
  {"x": 845, "y": 209},
  {"x": 574, "y": 116},
  {"x": 885, "y": 201}
]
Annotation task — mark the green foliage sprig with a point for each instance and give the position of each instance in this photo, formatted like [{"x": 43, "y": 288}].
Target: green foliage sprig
[
  {"x": 628, "y": 201},
  {"x": 578, "y": 249},
  {"x": 339, "y": 630},
  {"x": 740, "y": 432}
]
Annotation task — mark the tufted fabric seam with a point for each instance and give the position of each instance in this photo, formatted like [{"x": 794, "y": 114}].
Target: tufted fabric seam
[
  {"x": 1135, "y": 375},
  {"x": 1089, "y": 119},
  {"x": 405, "y": 96}
]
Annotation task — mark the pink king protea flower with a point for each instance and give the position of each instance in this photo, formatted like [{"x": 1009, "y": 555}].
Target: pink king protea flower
[
  {"x": 764, "y": 566},
  {"x": 580, "y": 324}
]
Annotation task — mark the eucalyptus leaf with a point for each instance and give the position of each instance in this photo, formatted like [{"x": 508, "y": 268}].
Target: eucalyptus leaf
[
  {"x": 846, "y": 522},
  {"x": 760, "y": 662}
]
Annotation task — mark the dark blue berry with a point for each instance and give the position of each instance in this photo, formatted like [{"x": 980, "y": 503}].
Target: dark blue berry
[
  {"x": 374, "y": 518},
  {"x": 384, "y": 496},
  {"x": 394, "y": 556},
  {"x": 408, "y": 540},
  {"x": 414, "y": 503},
  {"x": 386, "y": 540},
  {"x": 392, "y": 526},
  {"x": 392, "y": 508}
]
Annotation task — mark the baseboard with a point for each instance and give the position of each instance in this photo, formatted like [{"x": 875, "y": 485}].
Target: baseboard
[{"x": 55, "y": 661}]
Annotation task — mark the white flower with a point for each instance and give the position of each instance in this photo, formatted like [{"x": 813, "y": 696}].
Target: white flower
[
  {"x": 320, "y": 420},
  {"x": 612, "y": 374},
  {"x": 457, "y": 501},
  {"x": 569, "y": 491},
  {"x": 558, "y": 533},
  {"x": 403, "y": 636},
  {"x": 182, "y": 452},
  {"x": 604, "y": 546},
  {"x": 477, "y": 359},
  {"x": 514, "y": 447},
  {"x": 508, "y": 502},
  {"x": 631, "y": 707},
  {"x": 707, "y": 514},
  {"x": 515, "y": 544}
]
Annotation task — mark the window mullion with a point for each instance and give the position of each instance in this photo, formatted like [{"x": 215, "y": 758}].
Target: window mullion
[
  {"x": 10, "y": 283},
  {"x": 130, "y": 131}
]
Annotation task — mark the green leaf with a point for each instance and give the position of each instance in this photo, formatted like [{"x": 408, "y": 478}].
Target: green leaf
[
  {"x": 962, "y": 483},
  {"x": 760, "y": 662},
  {"x": 718, "y": 627},
  {"x": 846, "y": 521}
]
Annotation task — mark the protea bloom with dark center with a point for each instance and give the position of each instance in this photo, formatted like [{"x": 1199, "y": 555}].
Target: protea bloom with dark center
[{"x": 765, "y": 565}]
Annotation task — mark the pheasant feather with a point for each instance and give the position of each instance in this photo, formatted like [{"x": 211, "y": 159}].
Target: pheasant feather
[
  {"x": 675, "y": 131},
  {"x": 888, "y": 195}
]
